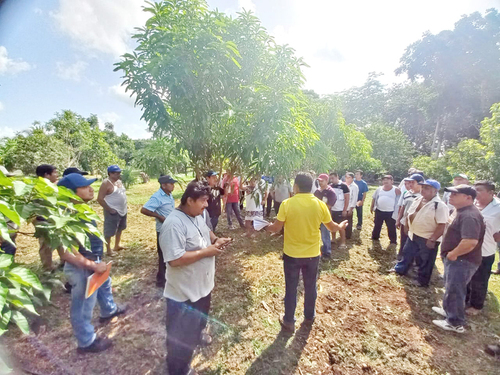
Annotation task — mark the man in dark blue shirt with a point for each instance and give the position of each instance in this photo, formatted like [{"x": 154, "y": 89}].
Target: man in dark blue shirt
[
  {"x": 78, "y": 267},
  {"x": 363, "y": 189}
]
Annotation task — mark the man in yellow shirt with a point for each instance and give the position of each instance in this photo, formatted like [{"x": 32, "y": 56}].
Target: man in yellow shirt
[{"x": 302, "y": 215}]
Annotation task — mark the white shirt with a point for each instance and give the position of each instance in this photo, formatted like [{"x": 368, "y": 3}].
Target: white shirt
[
  {"x": 282, "y": 191},
  {"x": 180, "y": 233},
  {"x": 491, "y": 214},
  {"x": 426, "y": 220},
  {"x": 353, "y": 195}
]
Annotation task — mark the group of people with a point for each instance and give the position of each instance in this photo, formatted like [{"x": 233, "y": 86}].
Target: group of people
[{"x": 465, "y": 224}]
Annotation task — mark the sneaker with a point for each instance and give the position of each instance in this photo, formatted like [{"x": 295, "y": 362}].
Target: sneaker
[
  {"x": 67, "y": 287},
  {"x": 358, "y": 227},
  {"x": 120, "y": 310},
  {"x": 448, "y": 327},
  {"x": 392, "y": 270},
  {"x": 231, "y": 227},
  {"x": 342, "y": 246},
  {"x": 439, "y": 310},
  {"x": 308, "y": 322},
  {"x": 99, "y": 345},
  {"x": 497, "y": 272}
]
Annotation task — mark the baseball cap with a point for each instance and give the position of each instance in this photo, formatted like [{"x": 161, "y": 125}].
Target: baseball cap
[
  {"x": 462, "y": 189},
  {"x": 323, "y": 176},
  {"x": 210, "y": 173},
  {"x": 415, "y": 177},
  {"x": 431, "y": 182},
  {"x": 75, "y": 180},
  {"x": 461, "y": 175},
  {"x": 70, "y": 170},
  {"x": 114, "y": 168},
  {"x": 166, "y": 180},
  {"x": 387, "y": 176}
]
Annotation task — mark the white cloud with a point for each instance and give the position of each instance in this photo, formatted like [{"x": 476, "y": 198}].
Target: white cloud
[
  {"x": 136, "y": 130},
  {"x": 344, "y": 41},
  {"x": 71, "y": 72},
  {"x": 11, "y": 66},
  {"x": 118, "y": 91},
  {"x": 247, "y": 5},
  {"x": 112, "y": 117},
  {"x": 7, "y": 131},
  {"x": 1, "y": 106},
  {"x": 103, "y": 26}
]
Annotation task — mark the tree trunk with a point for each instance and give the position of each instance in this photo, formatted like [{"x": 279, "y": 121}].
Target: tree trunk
[{"x": 435, "y": 146}]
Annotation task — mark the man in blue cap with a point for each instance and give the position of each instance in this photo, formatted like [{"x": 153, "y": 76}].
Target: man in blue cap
[
  {"x": 113, "y": 199},
  {"x": 78, "y": 267},
  {"x": 426, "y": 220},
  {"x": 159, "y": 206}
]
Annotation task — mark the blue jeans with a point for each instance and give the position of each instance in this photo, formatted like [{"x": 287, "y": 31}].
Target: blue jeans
[
  {"x": 235, "y": 207},
  {"x": 457, "y": 274},
  {"x": 293, "y": 267},
  {"x": 326, "y": 248},
  {"x": 426, "y": 258},
  {"x": 81, "y": 307}
]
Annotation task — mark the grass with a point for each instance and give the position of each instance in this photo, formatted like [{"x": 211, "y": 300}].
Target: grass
[{"x": 368, "y": 322}]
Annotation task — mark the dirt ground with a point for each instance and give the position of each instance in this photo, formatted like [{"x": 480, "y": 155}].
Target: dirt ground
[{"x": 368, "y": 322}]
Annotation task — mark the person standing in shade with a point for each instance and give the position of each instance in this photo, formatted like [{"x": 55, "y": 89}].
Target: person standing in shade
[
  {"x": 301, "y": 216},
  {"x": 458, "y": 179},
  {"x": 189, "y": 248},
  {"x": 78, "y": 266},
  {"x": 282, "y": 190},
  {"x": 113, "y": 199},
  {"x": 461, "y": 253},
  {"x": 406, "y": 199},
  {"x": 353, "y": 201},
  {"x": 340, "y": 208},
  {"x": 363, "y": 189},
  {"x": 159, "y": 206},
  {"x": 214, "y": 202},
  {"x": 232, "y": 188},
  {"x": 426, "y": 218},
  {"x": 490, "y": 209},
  {"x": 326, "y": 194},
  {"x": 384, "y": 203},
  {"x": 50, "y": 173}
]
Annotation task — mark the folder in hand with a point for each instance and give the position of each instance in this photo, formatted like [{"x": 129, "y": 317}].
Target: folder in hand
[{"x": 95, "y": 280}]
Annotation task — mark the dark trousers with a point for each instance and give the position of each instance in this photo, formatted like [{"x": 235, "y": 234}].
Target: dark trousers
[
  {"x": 478, "y": 286},
  {"x": 214, "y": 220},
  {"x": 162, "y": 268},
  {"x": 348, "y": 230},
  {"x": 277, "y": 207},
  {"x": 380, "y": 218},
  {"x": 293, "y": 267},
  {"x": 269, "y": 205},
  {"x": 236, "y": 209},
  {"x": 457, "y": 274},
  {"x": 417, "y": 249},
  {"x": 185, "y": 322},
  {"x": 359, "y": 214},
  {"x": 402, "y": 241}
]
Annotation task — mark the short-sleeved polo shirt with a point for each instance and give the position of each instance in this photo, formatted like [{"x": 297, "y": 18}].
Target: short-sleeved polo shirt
[
  {"x": 491, "y": 215},
  {"x": 303, "y": 214},
  {"x": 161, "y": 203},
  {"x": 426, "y": 220}
]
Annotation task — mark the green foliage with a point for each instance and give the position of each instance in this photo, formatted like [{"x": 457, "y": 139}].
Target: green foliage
[
  {"x": 161, "y": 156},
  {"x": 433, "y": 168},
  {"x": 490, "y": 137},
  {"x": 391, "y": 147},
  {"x": 129, "y": 177},
  {"x": 67, "y": 222},
  {"x": 121, "y": 145},
  {"x": 27, "y": 151},
  {"x": 235, "y": 100},
  {"x": 340, "y": 147}
]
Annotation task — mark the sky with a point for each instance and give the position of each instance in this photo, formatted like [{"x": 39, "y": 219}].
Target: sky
[{"x": 59, "y": 54}]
